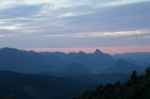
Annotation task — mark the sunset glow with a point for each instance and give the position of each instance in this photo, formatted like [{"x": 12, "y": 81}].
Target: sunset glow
[{"x": 109, "y": 50}]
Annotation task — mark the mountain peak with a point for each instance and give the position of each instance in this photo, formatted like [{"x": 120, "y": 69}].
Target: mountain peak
[
  {"x": 97, "y": 51},
  {"x": 8, "y": 49}
]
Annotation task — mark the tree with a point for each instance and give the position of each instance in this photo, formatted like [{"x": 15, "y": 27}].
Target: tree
[
  {"x": 147, "y": 71},
  {"x": 134, "y": 75}
]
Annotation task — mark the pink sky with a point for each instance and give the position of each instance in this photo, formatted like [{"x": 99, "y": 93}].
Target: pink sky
[{"x": 110, "y": 50}]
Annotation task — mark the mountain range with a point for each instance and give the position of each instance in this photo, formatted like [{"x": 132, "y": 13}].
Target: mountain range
[
  {"x": 55, "y": 75},
  {"x": 33, "y": 62},
  {"x": 138, "y": 58}
]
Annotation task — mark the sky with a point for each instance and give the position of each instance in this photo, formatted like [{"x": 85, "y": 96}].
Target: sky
[{"x": 113, "y": 26}]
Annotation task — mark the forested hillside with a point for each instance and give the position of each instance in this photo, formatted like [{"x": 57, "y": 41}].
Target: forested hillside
[{"x": 138, "y": 87}]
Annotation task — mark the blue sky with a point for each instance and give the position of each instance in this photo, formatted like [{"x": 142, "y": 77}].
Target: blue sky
[{"x": 71, "y": 25}]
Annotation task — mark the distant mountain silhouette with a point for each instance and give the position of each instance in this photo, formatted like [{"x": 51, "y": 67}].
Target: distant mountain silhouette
[
  {"x": 31, "y": 62},
  {"x": 75, "y": 69},
  {"x": 138, "y": 58},
  {"x": 53, "y": 62},
  {"x": 122, "y": 66},
  {"x": 94, "y": 61}
]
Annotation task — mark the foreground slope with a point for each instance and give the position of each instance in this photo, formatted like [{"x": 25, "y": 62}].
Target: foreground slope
[
  {"x": 28, "y": 86},
  {"x": 135, "y": 88}
]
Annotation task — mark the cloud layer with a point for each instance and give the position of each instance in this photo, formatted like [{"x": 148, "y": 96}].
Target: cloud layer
[{"x": 68, "y": 23}]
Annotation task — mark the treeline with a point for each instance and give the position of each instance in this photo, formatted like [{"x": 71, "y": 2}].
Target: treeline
[{"x": 138, "y": 87}]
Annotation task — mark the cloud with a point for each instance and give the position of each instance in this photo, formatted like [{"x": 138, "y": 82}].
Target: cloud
[
  {"x": 79, "y": 18},
  {"x": 119, "y": 34},
  {"x": 57, "y": 4},
  {"x": 88, "y": 23},
  {"x": 73, "y": 3},
  {"x": 11, "y": 27},
  {"x": 120, "y": 18},
  {"x": 20, "y": 11}
]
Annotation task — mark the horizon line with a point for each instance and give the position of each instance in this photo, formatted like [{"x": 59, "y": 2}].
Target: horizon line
[{"x": 107, "y": 50}]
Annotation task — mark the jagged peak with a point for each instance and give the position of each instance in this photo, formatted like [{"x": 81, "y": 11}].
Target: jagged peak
[{"x": 97, "y": 51}]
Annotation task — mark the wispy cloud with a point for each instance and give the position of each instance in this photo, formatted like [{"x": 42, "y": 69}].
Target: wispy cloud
[
  {"x": 119, "y": 34},
  {"x": 48, "y": 22},
  {"x": 10, "y": 27}
]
